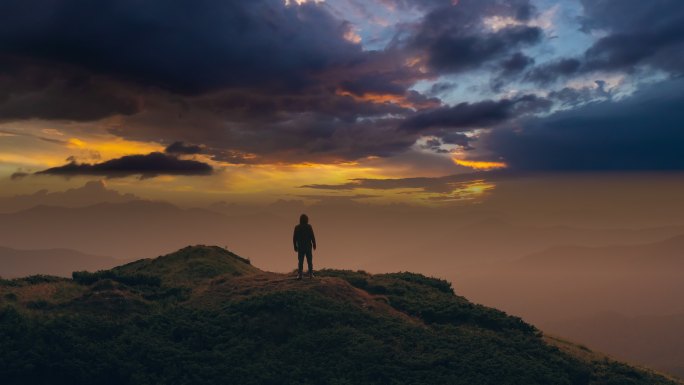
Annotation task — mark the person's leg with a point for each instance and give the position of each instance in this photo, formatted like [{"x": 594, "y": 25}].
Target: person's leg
[
  {"x": 300, "y": 257},
  {"x": 309, "y": 258}
]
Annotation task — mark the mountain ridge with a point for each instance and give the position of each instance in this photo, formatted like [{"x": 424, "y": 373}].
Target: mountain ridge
[
  {"x": 206, "y": 315},
  {"x": 665, "y": 254},
  {"x": 54, "y": 261}
]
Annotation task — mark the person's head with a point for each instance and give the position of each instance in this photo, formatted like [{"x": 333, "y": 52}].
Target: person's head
[{"x": 303, "y": 219}]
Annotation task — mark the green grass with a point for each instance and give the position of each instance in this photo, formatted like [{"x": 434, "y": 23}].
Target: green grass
[
  {"x": 116, "y": 330},
  {"x": 190, "y": 265}
]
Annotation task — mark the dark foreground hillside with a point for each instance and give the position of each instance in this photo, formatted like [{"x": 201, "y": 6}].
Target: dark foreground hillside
[{"x": 203, "y": 315}]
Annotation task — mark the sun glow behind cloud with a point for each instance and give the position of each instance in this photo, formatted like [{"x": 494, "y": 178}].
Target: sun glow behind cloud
[
  {"x": 469, "y": 191},
  {"x": 544, "y": 20},
  {"x": 378, "y": 98},
  {"x": 108, "y": 148},
  {"x": 479, "y": 165},
  {"x": 279, "y": 179}
]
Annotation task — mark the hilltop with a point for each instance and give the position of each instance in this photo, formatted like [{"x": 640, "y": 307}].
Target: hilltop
[{"x": 203, "y": 315}]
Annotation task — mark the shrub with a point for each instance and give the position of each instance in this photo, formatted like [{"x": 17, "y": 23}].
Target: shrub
[
  {"x": 10, "y": 297},
  {"x": 439, "y": 284},
  {"x": 87, "y": 278},
  {"x": 38, "y": 305}
]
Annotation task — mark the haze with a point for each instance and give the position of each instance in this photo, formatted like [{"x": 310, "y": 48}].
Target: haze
[{"x": 529, "y": 151}]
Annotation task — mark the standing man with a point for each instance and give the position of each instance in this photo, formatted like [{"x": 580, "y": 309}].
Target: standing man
[{"x": 303, "y": 240}]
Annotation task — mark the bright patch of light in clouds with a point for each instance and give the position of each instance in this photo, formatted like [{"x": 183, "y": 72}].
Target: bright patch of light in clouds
[
  {"x": 545, "y": 20},
  {"x": 478, "y": 165},
  {"x": 300, "y": 2}
]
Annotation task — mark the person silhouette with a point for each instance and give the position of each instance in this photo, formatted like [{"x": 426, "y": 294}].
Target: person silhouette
[{"x": 304, "y": 239}]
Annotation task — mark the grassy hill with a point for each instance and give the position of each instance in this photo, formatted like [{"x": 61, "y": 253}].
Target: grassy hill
[{"x": 203, "y": 315}]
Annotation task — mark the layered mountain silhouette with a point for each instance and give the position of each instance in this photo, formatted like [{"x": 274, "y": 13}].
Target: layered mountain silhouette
[
  {"x": 92, "y": 192},
  {"x": 60, "y": 262},
  {"x": 666, "y": 254},
  {"x": 152, "y": 227},
  {"x": 654, "y": 339},
  {"x": 204, "y": 315}
]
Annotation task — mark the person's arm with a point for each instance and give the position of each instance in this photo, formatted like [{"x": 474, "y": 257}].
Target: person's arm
[
  {"x": 294, "y": 238},
  {"x": 313, "y": 239}
]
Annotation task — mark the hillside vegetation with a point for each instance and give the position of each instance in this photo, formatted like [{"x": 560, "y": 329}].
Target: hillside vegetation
[{"x": 203, "y": 315}]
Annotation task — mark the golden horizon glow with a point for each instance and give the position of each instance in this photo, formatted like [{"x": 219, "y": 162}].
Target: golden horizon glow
[
  {"x": 32, "y": 160},
  {"x": 287, "y": 178},
  {"x": 260, "y": 182},
  {"x": 479, "y": 165},
  {"x": 112, "y": 148}
]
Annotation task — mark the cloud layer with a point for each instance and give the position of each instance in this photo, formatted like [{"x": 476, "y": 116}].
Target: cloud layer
[
  {"x": 262, "y": 82},
  {"x": 146, "y": 166}
]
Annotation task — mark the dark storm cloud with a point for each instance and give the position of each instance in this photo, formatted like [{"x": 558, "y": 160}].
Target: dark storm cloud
[
  {"x": 474, "y": 115},
  {"x": 182, "y": 149},
  {"x": 509, "y": 69},
  {"x": 37, "y": 90},
  {"x": 550, "y": 72},
  {"x": 573, "y": 96},
  {"x": 257, "y": 59},
  {"x": 515, "y": 64},
  {"x": 249, "y": 81},
  {"x": 372, "y": 83},
  {"x": 186, "y": 46},
  {"x": 456, "y": 138},
  {"x": 19, "y": 175},
  {"x": 147, "y": 166},
  {"x": 324, "y": 138},
  {"x": 455, "y": 54},
  {"x": 456, "y": 40},
  {"x": 435, "y": 145},
  {"x": 438, "y": 89},
  {"x": 642, "y": 132},
  {"x": 637, "y": 34},
  {"x": 276, "y": 135},
  {"x": 520, "y": 9},
  {"x": 640, "y": 32}
]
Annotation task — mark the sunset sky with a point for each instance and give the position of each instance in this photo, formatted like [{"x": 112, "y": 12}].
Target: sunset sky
[{"x": 425, "y": 102}]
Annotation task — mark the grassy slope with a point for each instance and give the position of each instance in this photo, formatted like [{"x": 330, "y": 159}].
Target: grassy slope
[{"x": 203, "y": 315}]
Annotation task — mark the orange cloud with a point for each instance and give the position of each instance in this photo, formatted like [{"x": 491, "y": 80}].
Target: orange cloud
[
  {"x": 477, "y": 165},
  {"x": 377, "y": 98}
]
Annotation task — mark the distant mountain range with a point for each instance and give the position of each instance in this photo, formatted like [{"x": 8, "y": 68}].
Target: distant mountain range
[
  {"x": 137, "y": 228},
  {"x": 658, "y": 340},
  {"x": 91, "y": 193},
  {"x": 59, "y": 262},
  {"x": 495, "y": 241},
  {"x": 666, "y": 254},
  {"x": 128, "y": 230},
  {"x": 563, "y": 288}
]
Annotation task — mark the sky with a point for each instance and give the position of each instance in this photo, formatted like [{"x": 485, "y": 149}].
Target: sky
[{"x": 424, "y": 102}]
